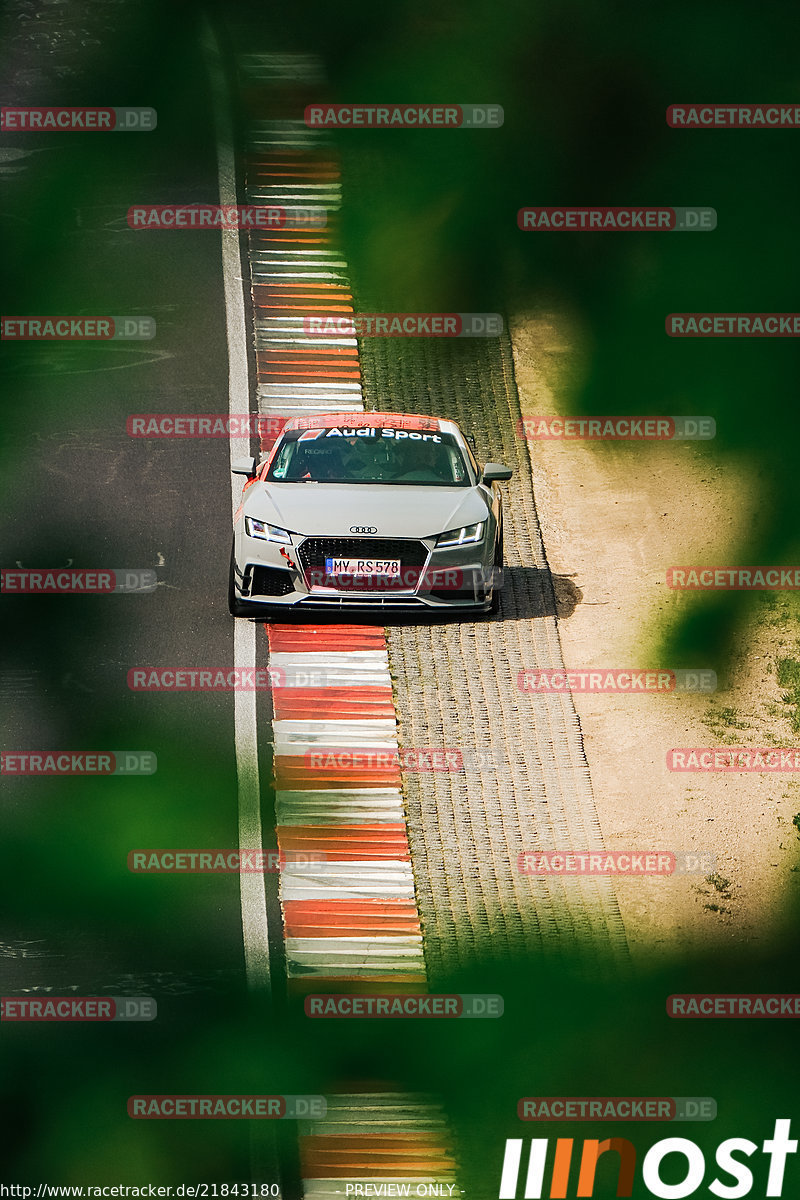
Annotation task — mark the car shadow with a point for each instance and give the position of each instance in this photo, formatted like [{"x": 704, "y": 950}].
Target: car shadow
[{"x": 532, "y": 592}]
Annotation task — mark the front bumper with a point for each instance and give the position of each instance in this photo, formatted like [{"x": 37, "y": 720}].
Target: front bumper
[{"x": 280, "y": 577}]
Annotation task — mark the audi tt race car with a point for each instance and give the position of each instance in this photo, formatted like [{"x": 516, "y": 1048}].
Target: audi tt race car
[{"x": 368, "y": 511}]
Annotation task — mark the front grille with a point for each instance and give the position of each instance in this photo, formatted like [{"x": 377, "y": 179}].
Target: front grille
[
  {"x": 270, "y": 581},
  {"x": 412, "y": 555}
]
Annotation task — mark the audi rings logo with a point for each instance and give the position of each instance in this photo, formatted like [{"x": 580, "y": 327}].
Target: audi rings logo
[{"x": 363, "y": 529}]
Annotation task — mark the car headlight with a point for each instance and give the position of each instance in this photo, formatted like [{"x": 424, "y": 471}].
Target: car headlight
[
  {"x": 461, "y": 537},
  {"x": 266, "y": 533}
]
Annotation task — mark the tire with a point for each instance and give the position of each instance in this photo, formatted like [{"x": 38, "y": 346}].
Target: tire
[
  {"x": 494, "y": 608},
  {"x": 236, "y": 607}
]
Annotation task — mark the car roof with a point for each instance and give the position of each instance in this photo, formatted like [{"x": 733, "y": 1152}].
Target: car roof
[{"x": 371, "y": 420}]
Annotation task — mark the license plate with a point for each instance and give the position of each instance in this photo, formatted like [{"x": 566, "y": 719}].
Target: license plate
[{"x": 369, "y": 567}]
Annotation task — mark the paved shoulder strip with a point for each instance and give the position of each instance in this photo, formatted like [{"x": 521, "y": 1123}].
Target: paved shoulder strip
[
  {"x": 329, "y": 807},
  {"x": 351, "y": 920},
  {"x": 456, "y": 685},
  {"x": 296, "y": 272},
  {"x": 378, "y": 1138},
  {"x": 350, "y": 917}
]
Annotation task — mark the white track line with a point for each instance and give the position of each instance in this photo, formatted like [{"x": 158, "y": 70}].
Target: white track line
[{"x": 255, "y": 930}]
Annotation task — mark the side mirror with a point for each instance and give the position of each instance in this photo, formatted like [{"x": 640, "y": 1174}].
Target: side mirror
[
  {"x": 496, "y": 473},
  {"x": 243, "y": 466}
]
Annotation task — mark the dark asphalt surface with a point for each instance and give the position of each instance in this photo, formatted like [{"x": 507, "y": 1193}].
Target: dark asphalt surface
[
  {"x": 79, "y": 490},
  {"x": 88, "y": 493}
]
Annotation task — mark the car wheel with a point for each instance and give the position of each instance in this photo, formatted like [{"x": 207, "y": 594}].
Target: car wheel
[
  {"x": 236, "y": 607},
  {"x": 498, "y": 567}
]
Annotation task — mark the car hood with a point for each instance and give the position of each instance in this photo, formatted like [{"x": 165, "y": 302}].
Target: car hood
[{"x": 330, "y": 509}]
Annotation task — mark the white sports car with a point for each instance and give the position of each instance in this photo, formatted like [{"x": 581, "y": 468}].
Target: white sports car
[{"x": 368, "y": 511}]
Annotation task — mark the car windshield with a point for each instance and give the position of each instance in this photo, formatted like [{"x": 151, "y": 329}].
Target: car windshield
[{"x": 369, "y": 455}]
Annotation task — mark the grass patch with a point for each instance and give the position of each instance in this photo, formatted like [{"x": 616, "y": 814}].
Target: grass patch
[
  {"x": 788, "y": 677},
  {"x": 722, "y": 720},
  {"x": 719, "y": 884}
]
